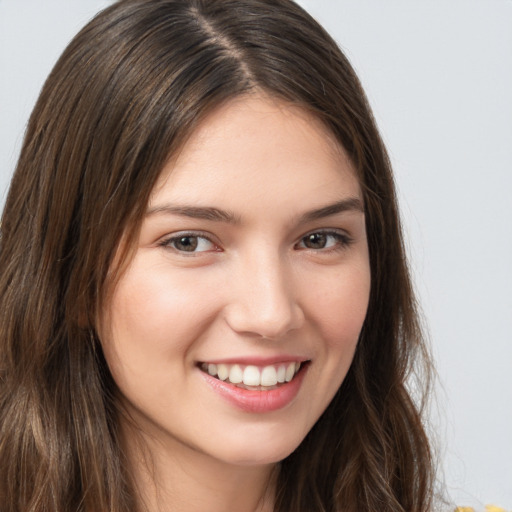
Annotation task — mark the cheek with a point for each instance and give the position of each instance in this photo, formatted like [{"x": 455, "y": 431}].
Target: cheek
[
  {"x": 337, "y": 310},
  {"x": 340, "y": 304},
  {"x": 160, "y": 304},
  {"x": 149, "y": 320}
]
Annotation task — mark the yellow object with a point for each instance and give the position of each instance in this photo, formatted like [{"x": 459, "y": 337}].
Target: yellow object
[{"x": 488, "y": 508}]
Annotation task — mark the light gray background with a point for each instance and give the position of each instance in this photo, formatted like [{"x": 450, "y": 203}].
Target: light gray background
[{"x": 439, "y": 76}]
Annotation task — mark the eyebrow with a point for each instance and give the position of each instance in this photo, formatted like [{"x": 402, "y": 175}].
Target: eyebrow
[
  {"x": 196, "y": 212},
  {"x": 349, "y": 204},
  {"x": 219, "y": 215}
]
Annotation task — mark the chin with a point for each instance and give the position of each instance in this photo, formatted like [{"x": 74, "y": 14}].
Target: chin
[{"x": 255, "y": 450}]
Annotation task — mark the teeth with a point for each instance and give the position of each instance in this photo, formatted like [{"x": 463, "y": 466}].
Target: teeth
[
  {"x": 222, "y": 371},
  {"x": 268, "y": 376},
  {"x": 235, "y": 374},
  {"x": 290, "y": 372},
  {"x": 251, "y": 375}
]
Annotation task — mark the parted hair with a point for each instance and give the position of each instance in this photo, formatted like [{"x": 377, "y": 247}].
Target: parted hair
[{"x": 124, "y": 96}]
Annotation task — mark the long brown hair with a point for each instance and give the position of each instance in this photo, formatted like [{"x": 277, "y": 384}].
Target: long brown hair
[{"x": 123, "y": 97}]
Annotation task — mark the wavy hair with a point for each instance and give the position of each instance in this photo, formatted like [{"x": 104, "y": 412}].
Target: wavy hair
[{"x": 124, "y": 96}]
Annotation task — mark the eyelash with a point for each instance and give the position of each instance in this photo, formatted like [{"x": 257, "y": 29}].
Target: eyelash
[
  {"x": 168, "y": 242},
  {"x": 342, "y": 241}
]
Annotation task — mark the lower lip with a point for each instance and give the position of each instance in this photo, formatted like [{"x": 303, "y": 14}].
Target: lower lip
[{"x": 257, "y": 401}]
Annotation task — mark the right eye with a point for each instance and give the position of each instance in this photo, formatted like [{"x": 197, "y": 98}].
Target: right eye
[{"x": 189, "y": 243}]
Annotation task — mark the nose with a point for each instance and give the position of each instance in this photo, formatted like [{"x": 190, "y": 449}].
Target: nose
[{"x": 263, "y": 299}]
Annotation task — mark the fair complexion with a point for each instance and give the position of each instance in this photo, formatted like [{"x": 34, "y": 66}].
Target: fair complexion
[{"x": 252, "y": 263}]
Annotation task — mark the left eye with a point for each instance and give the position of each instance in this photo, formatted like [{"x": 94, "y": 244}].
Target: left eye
[
  {"x": 323, "y": 240},
  {"x": 189, "y": 243}
]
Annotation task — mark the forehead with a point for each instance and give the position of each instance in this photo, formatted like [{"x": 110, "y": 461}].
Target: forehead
[{"x": 255, "y": 146}]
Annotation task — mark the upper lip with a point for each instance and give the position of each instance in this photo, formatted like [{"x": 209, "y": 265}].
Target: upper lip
[{"x": 257, "y": 361}]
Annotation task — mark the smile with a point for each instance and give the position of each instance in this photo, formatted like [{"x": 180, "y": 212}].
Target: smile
[{"x": 253, "y": 377}]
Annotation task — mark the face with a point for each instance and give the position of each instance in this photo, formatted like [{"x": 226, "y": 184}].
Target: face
[{"x": 237, "y": 319}]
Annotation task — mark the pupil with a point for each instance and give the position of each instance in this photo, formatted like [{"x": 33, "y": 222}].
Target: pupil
[
  {"x": 316, "y": 241},
  {"x": 187, "y": 243}
]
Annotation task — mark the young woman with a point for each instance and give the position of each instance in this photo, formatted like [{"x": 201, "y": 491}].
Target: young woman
[{"x": 204, "y": 298}]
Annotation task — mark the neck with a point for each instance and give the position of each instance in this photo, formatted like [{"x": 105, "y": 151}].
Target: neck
[{"x": 179, "y": 478}]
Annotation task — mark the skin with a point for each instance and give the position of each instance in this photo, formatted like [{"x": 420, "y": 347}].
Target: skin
[{"x": 254, "y": 287}]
